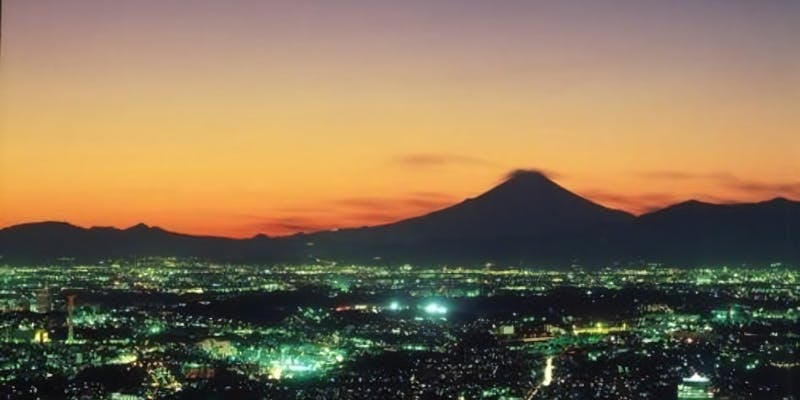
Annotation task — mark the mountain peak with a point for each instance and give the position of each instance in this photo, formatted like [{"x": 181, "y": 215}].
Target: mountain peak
[
  {"x": 141, "y": 226},
  {"x": 527, "y": 202},
  {"x": 260, "y": 236},
  {"x": 693, "y": 203},
  {"x": 144, "y": 228},
  {"x": 528, "y": 176},
  {"x": 527, "y": 186},
  {"x": 780, "y": 200}
]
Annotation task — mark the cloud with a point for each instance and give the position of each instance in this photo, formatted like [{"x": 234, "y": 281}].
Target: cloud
[
  {"x": 291, "y": 224},
  {"x": 419, "y": 200},
  {"x": 784, "y": 189},
  {"x": 350, "y": 212},
  {"x": 427, "y": 160},
  {"x": 521, "y": 172},
  {"x": 750, "y": 188},
  {"x": 668, "y": 175},
  {"x": 637, "y": 203},
  {"x": 685, "y": 176}
]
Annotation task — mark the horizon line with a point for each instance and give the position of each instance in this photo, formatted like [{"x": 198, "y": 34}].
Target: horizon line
[{"x": 299, "y": 233}]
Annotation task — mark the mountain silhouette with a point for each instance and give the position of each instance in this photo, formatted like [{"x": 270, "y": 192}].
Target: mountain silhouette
[
  {"x": 706, "y": 234},
  {"x": 527, "y": 220},
  {"x": 527, "y": 213},
  {"x": 33, "y": 242},
  {"x": 526, "y": 203}
]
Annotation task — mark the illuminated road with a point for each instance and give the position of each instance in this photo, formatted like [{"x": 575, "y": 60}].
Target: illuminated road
[{"x": 546, "y": 381}]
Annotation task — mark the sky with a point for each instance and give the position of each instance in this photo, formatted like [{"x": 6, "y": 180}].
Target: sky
[{"x": 240, "y": 117}]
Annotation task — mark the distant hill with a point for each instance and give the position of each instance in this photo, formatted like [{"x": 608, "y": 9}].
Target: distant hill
[
  {"x": 48, "y": 240},
  {"x": 527, "y": 220},
  {"x": 702, "y": 233}
]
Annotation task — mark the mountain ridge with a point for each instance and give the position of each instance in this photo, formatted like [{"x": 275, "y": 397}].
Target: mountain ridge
[{"x": 526, "y": 219}]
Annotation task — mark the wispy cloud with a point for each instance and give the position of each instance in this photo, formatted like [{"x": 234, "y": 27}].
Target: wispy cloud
[
  {"x": 550, "y": 174},
  {"x": 421, "y": 200},
  {"x": 750, "y": 188},
  {"x": 423, "y": 160},
  {"x": 283, "y": 225},
  {"x": 785, "y": 189},
  {"x": 685, "y": 176},
  {"x": 637, "y": 204},
  {"x": 349, "y": 212}
]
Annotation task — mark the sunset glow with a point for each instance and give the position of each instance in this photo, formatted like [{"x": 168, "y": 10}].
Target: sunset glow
[{"x": 241, "y": 117}]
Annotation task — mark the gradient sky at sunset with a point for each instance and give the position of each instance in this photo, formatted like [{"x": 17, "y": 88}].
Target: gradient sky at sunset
[{"x": 237, "y": 117}]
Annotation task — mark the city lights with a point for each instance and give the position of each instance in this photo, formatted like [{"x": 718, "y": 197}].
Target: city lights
[{"x": 528, "y": 329}]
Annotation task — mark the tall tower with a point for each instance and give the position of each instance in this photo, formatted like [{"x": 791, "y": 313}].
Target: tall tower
[{"x": 70, "y": 309}]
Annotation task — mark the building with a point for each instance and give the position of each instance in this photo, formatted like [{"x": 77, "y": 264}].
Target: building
[
  {"x": 69, "y": 322},
  {"x": 694, "y": 388},
  {"x": 44, "y": 301},
  {"x": 41, "y": 336},
  {"x": 125, "y": 396}
]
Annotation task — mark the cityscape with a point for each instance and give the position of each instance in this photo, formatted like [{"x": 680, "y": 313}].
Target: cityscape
[{"x": 186, "y": 328}]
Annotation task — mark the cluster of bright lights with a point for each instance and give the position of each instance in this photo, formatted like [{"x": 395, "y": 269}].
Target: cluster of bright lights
[{"x": 435, "y": 308}]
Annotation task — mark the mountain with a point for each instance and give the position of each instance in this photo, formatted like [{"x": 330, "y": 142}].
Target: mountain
[
  {"x": 526, "y": 214},
  {"x": 527, "y": 220},
  {"x": 49, "y": 240},
  {"x": 527, "y": 203},
  {"x": 703, "y": 233}
]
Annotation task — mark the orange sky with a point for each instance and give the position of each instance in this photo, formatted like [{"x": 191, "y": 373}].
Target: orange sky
[{"x": 278, "y": 117}]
